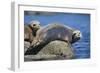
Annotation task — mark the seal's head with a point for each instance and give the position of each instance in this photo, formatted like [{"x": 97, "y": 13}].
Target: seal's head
[
  {"x": 35, "y": 25},
  {"x": 76, "y": 36}
]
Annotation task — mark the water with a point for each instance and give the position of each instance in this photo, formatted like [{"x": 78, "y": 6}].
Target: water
[{"x": 74, "y": 20}]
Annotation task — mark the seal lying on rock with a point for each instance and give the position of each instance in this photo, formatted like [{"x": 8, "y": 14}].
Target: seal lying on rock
[
  {"x": 51, "y": 33},
  {"x": 56, "y": 31},
  {"x": 30, "y": 30}
]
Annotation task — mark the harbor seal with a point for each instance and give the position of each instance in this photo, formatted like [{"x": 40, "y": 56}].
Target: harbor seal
[
  {"x": 56, "y": 31},
  {"x": 30, "y": 30}
]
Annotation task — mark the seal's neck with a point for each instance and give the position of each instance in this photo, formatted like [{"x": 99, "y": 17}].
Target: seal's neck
[
  {"x": 30, "y": 27},
  {"x": 33, "y": 30}
]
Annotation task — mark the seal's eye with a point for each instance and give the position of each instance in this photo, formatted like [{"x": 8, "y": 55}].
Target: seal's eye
[{"x": 34, "y": 24}]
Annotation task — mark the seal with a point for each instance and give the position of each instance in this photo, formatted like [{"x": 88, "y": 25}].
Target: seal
[
  {"x": 56, "y": 31},
  {"x": 30, "y": 30}
]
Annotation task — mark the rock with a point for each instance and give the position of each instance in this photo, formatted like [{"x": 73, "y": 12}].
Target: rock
[
  {"x": 58, "y": 48},
  {"x": 39, "y": 57},
  {"x": 26, "y": 46},
  {"x": 55, "y": 50}
]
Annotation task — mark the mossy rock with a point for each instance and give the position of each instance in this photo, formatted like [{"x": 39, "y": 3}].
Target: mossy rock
[
  {"x": 55, "y": 50},
  {"x": 58, "y": 48}
]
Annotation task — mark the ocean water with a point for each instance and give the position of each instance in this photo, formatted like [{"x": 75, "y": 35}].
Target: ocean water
[{"x": 74, "y": 20}]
